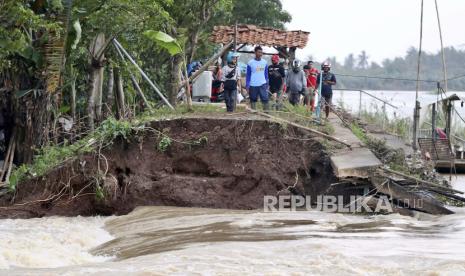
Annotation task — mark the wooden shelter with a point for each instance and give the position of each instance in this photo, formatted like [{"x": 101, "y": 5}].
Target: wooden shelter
[{"x": 285, "y": 42}]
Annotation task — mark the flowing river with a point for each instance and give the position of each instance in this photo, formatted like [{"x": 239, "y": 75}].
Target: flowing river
[{"x": 179, "y": 241}]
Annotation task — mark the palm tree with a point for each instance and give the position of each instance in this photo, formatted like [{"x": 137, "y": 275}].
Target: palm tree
[{"x": 363, "y": 60}]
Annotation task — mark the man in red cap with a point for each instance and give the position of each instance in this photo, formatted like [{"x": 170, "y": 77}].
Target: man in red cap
[{"x": 276, "y": 76}]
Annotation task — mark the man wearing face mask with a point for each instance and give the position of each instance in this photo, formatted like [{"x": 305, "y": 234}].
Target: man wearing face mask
[
  {"x": 296, "y": 83},
  {"x": 327, "y": 81}
]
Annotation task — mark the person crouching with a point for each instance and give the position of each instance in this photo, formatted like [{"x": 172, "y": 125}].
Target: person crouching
[{"x": 296, "y": 83}]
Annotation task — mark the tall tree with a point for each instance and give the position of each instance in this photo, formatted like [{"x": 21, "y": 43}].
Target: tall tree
[
  {"x": 363, "y": 60},
  {"x": 349, "y": 62},
  {"x": 264, "y": 13}
]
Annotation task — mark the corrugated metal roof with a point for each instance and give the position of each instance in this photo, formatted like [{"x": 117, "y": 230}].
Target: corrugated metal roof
[{"x": 250, "y": 34}]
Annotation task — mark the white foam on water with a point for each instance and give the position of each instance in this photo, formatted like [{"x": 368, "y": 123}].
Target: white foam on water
[
  {"x": 51, "y": 241},
  {"x": 180, "y": 241}
]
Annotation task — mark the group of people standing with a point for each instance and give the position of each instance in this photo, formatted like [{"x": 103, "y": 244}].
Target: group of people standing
[{"x": 299, "y": 83}]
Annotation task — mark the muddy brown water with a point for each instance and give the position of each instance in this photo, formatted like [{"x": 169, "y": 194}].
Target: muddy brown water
[
  {"x": 164, "y": 240},
  {"x": 193, "y": 241}
]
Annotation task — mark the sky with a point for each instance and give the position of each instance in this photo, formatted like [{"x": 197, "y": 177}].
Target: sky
[{"x": 384, "y": 28}]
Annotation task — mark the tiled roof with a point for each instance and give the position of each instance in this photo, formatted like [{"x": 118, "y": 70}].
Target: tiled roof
[{"x": 251, "y": 34}]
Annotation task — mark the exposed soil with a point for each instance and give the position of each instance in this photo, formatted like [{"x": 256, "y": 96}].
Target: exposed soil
[{"x": 238, "y": 163}]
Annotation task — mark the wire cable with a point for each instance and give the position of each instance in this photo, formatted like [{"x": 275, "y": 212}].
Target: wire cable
[{"x": 384, "y": 78}]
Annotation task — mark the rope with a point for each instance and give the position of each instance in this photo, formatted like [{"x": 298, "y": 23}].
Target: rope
[
  {"x": 444, "y": 68},
  {"x": 419, "y": 52},
  {"x": 456, "y": 77}
]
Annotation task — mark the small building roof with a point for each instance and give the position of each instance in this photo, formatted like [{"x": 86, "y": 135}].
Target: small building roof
[
  {"x": 250, "y": 34},
  {"x": 452, "y": 98}
]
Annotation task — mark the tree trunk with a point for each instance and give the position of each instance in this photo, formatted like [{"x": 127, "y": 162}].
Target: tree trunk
[
  {"x": 98, "y": 94},
  {"x": 291, "y": 55},
  {"x": 94, "y": 103},
  {"x": 175, "y": 78},
  {"x": 110, "y": 96},
  {"x": 193, "y": 40},
  {"x": 32, "y": 124},
  {"x": 73, "y": 98},
  {"x": 119, "y": 95}
]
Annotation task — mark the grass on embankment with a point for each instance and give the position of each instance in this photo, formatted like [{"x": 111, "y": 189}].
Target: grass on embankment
[{"x": 52, "y": 156}]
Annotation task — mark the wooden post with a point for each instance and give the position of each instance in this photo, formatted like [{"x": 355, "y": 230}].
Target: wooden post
[
  {"x": 235, "y": 37},
  {"x": 188, "y": 89},
  {"x": 119, "y": 95},
  {"x": 110, "y": 91},
  {"x": 292, "y": 55},
  {"x": 449, "y": 119},
  {"x": 95, "y": 81},
  {"x": 208, "y": 63},
  {"x": 360, "y": 105},
  {"x": 73, "y": 98},
  {"x": 433, "y": 121},
  {"x": 384, "y": 116},
  {"x": 416, "y": 117}
]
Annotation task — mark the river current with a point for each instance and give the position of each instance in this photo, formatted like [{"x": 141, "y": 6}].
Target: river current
[{"x": 180, "y": 241}]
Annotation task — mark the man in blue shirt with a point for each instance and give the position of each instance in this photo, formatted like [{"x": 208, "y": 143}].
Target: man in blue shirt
[{"x": 256, "y": 80}]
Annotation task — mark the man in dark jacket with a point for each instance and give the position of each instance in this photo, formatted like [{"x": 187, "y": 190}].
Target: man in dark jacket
[{"x": 276, "y": 75}]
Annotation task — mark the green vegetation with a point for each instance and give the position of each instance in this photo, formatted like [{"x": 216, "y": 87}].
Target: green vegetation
[
  {"x": 397, "y": 126},
  {"x": 394, "y": 158},
  {"x": 359, "y": 132},
  {"x": 52, "y": 156},
  {"x": 57, "y": 61},
  {"x": 165, "y": 143},
  {"x": 300, "y": 115}
]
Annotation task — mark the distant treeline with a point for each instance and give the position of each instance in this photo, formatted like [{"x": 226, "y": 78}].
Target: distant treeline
[{"x": 400, "y": 67}]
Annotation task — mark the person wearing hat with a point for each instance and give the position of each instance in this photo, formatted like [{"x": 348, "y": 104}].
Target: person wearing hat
[
  {"x": 328, "y": 79},
  {"x": 276, "y": 74},
  {"x": 231, "y": 76}
]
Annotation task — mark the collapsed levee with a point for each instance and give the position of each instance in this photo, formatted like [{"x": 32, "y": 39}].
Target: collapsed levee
[{"x": 201, "y": 162}]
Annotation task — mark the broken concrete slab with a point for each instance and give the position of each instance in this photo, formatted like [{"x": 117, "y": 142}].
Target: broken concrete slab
[{"x": 356, "y": 163}]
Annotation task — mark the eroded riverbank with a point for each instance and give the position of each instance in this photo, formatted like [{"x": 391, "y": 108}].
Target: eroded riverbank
[{"x": 213, "y": 163}]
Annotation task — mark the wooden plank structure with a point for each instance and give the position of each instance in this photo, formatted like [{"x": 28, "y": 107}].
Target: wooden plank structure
[
  {"x": 285, "y": 42},
  {"x": 440, "y": 150},
  {"x": 436, "y": 149}
]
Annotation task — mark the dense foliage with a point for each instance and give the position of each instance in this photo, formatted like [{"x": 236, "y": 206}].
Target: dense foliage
[{"x": 57, "y": 60}]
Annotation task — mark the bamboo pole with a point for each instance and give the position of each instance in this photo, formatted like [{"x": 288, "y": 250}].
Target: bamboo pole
[
  {"x": 134, "y": 81},
  {"x": 118, "y": 45},
  {"x": 444, "y": 67},
  {"x": 208, "y": 63},
  {"x": 422, "y": 181}
]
